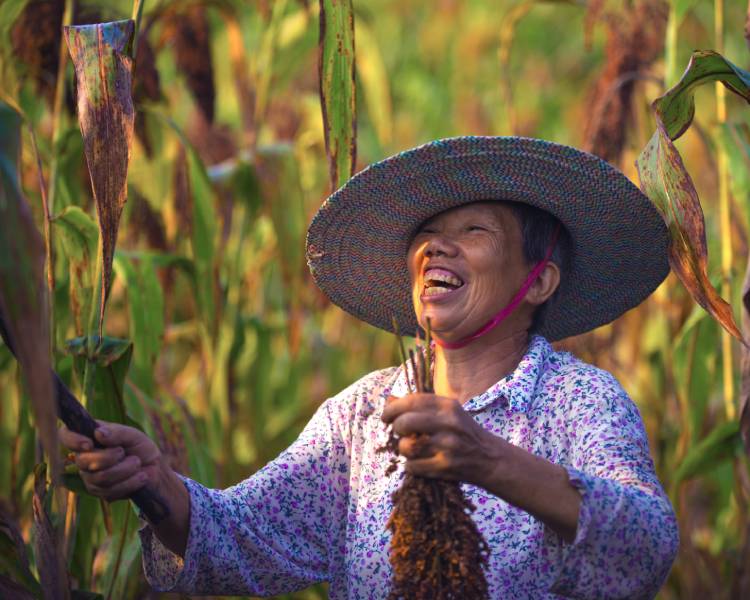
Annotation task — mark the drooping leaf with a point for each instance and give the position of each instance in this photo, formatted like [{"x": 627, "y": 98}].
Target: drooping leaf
[
  {"x": 23, "y": 295},
  {"x": 103, "y": 69},
  {"x": 337, "y": 87},
  {"x": 667, "y": 183},
  {"x": 79, "y": 236},
  {"x": 719, "y": 445},
  {"x": 675, "y": 109}
]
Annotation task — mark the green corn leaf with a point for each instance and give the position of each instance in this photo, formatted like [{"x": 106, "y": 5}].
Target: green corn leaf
[
  {"x": 109, "y": 366},
  {"x": 116, "y": 554},
  {"x": 23, "y": 295},
  {"x": 87, "y": 534},
  {"x": 675, "y": 109},
  {"x": 146, "y": 311},
  {"x": 79, "y": 238},
  {"x": 337, "y": 87},
  {"x": 667, "y": 183},
  {"x": 103, "y": 70},
  {"x": 719, "y": 445}
]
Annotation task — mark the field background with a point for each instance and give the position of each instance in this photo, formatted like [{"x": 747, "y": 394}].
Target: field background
[{"x": 234, "y": 347}]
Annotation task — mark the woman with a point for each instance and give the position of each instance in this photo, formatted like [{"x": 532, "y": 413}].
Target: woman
[{"x": 504, "y": 244}]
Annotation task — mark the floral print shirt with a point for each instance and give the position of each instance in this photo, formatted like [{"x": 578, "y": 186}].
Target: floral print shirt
[{"x": 318, "y": 511}]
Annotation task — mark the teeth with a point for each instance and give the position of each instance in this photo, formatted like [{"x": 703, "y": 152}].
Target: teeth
[
  {"x": 435, "y": 290},
  {"x": 435, "y": 275},
  {"x": 446, "y": 278}
]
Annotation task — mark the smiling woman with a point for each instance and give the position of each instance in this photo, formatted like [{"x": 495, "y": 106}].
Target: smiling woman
[
  {"x": 484, "y": 250},
  {"x": 550, "y": 450}
]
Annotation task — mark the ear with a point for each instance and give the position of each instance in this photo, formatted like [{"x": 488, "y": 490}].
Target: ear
[{"x": 545, "y": 285}]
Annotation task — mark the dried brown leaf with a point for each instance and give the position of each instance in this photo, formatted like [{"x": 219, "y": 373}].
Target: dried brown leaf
[
  {"x": 667, "y": 183},
  {"x": 106, "y": 116}
]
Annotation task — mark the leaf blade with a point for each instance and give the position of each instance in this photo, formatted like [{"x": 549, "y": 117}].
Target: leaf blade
[{"x": 337, "y": 87}]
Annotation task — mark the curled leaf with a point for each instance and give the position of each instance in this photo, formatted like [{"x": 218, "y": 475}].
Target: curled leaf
[
  {"x": 103, "y": 69},
  {"x": 667, "y": 183},
  {"x": 337, "y": 87}
]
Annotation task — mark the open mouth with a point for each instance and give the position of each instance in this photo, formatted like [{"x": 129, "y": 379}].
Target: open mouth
[{"x": 440, "y": 281}]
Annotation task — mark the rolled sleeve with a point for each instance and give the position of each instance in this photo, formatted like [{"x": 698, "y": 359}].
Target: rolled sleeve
[
  {"x": 627, "y": 535},
  {"x": 272, "y": 533}
]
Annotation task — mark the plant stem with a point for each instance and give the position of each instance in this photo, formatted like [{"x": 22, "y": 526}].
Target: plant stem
[
  {"x": 49, "y": 196},
  {"x": 670, "y": 47},
  {"x": 403, "y": 352},
  {"x": 724, "y": 220},
  {"x": 47, "y": 241},
  {"x": 57, "y": 109},
  {"x": 137, "y": 14}
]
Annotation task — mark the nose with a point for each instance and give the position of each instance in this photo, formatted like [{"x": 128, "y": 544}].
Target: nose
[{"x": 439, "y": 245}]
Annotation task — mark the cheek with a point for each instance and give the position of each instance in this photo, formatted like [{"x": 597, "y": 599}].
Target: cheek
[{"x": 411, "y": 264}]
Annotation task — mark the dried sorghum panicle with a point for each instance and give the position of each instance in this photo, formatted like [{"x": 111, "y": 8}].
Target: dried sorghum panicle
[{"x": 437, "y": 552}]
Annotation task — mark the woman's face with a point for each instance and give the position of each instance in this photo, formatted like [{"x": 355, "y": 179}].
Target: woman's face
[{"x": 465, "y": 265}]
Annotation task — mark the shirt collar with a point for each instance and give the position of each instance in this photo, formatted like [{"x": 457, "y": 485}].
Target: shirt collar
[{"x": 516, "y": 389}]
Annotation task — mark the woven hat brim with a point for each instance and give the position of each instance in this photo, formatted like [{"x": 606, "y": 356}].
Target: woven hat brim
[{"x": 358, "y": 240}]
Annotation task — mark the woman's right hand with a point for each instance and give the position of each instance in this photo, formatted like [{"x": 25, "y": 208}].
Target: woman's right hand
[{"x": 128, "y": 461}]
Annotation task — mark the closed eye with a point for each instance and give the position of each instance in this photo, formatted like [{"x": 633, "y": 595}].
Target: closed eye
[{"x": 476, "y": 228}]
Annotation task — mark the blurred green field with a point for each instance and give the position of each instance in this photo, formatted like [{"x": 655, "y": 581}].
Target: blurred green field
[{"x": 233, "y": 346}]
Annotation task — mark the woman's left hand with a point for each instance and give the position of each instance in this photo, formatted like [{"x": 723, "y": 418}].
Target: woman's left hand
[{"x": 454, "y": 445}]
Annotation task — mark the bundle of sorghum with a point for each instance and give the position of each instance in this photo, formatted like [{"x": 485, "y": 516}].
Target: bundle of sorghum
[{"x": 437, "y": 552}]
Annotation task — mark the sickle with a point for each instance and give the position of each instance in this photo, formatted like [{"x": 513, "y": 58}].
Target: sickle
[{"x": 78, "y": 419}]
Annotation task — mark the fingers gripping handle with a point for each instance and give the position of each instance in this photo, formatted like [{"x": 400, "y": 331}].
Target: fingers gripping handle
[{"x": 78, "y": 419}]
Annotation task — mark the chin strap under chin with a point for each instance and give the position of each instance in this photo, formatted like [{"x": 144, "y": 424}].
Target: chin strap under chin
[{"x": 510, "y": 307}]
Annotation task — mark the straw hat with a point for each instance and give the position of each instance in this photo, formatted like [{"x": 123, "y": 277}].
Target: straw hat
[{"x": 358, "y": 240}]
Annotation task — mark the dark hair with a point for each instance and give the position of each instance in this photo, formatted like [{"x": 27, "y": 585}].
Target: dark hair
[{"x": 537, "y": 228}]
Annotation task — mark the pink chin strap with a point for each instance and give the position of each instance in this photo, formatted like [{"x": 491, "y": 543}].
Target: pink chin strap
[{"x": 510, "y": 307}]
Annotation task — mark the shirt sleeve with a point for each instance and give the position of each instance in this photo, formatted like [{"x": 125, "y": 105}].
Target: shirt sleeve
[
  {"x": 627, "y": 534},
  {"x": 273, "y": 533}
]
